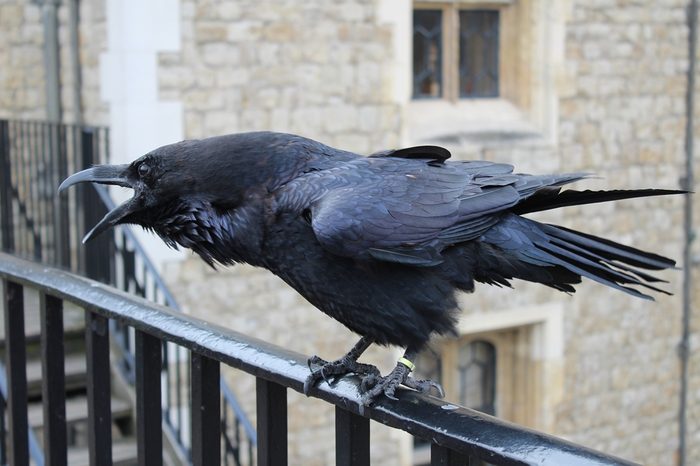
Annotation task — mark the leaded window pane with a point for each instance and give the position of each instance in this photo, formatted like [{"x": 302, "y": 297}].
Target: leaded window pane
[
  {"x": 477, "y": 376},
  {"x": 478, "y": 53},
  {"x": 427, "y": 53}
]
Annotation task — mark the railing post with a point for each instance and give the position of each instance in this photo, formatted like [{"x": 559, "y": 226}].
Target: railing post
[
  {"x": 16, "y": 362},
  {"x": 53, "y": 381},
  {"x": 96, "y": 266},
  {"x": 6, "y": 214},
  {"x": 351, "y": 439},
  {"x": 149, "y": 416},
  {"x": 271, "y": 400},
  {"x": 206, "y": 409},
  {"x": 98, "y": 390},
  {"x": 61, "y": 227}
]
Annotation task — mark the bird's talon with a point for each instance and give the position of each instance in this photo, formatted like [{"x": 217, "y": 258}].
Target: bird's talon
[
  {"x": 391, "y": 396},
  {"x": 438, "y": 388},
  {"x": 369, "y": 382},
  {"x": 315, "y": 361}
]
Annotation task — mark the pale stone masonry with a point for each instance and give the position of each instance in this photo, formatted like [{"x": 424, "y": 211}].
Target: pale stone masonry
[
  {"x": 314, "y": 68},
  {"x": 22, "y": 86},
  {"x": 602, "y": 89}
]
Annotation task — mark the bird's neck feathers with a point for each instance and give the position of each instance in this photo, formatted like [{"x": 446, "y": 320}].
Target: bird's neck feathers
[{"x": 216, "y": 235}]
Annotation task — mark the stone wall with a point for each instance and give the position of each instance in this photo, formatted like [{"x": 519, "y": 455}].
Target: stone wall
[
  {"x": 22, "y": 91},
  {"x": 22, "y": 78},
  {"x": 622, "y": 115},
  {"x": 315, "y": 68}
]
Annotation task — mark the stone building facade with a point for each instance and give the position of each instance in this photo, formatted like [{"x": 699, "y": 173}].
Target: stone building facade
[{"x": 588, "y": 85}]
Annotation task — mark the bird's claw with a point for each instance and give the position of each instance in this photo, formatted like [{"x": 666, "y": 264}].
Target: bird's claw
[
  {"x": 374, "y": 385},
  {"x": 330, "y": 372},
  {"x": 429, "y": 387}
]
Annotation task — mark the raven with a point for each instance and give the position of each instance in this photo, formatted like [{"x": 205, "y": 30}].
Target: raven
[{"x": 380, "y": 243}]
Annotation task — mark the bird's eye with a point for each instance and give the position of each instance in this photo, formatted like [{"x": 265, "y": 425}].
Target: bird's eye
[{"x": 144, "y": 169}]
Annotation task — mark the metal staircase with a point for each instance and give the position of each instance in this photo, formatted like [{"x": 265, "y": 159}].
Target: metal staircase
[{"x": 37, "y": 223}]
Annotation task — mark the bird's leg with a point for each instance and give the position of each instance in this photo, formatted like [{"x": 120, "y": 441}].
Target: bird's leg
[
  {"x": 345, "y": 365},
  {"x": 375, "y": 385}
]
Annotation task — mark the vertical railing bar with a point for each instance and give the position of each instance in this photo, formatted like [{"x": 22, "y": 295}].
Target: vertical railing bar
[
  {"x": 188, "y": 377},
  {"x": 53, "y": 381},
  {"x": 442, "y": 456},
  {"x": 166, "y": 390},
  {"x": 12, "y": 178},
  {"x": 222, "y": 442},
  {"x": 41, "y": 187},
  {"x": 98, "y": 390},
  {"x": 205, "y": 412},
  {"x": 149, "y": 438},
  {"x": 21, "y": 237},
  {"x": 25, "y": 187},
  {"x": 16, "y": 361},
  {"x": 178, "y": 393},
  {"x": 351, "y": 438},
  {"x": 271, "y": 405},
  {"x": 61, "y": 226},
  {"x": 34, "y": 191},
  {"x": 40, "y": 134},
  {"x": 53, "y": 202},
  {"x": 3, "y": 431},
  {"x": 6, "y": 188}
]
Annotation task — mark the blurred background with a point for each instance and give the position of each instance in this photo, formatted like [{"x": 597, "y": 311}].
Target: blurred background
[{"x": 548, "y": 85}]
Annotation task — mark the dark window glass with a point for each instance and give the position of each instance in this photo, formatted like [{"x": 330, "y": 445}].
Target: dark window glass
[
  {"x": 478, "y": 53},
  {"x": 427, "y": 53},
  {"x": 477, "y": 376}
]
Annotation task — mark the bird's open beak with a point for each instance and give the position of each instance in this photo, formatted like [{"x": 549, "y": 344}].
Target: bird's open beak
[{"x": 104, "y": 174}]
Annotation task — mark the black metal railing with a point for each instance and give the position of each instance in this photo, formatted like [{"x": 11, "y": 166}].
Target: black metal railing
[
  {"x": 37, "y": 223},
  {"x": 457, "y": 435}
]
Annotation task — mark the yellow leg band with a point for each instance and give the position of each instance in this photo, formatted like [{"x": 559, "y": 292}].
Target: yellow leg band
[{"x": 407, "y": 363}]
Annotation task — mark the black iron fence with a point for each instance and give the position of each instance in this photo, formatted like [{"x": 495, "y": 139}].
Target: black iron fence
[
  {"x": 457, "y": 435},
  {"x": 38, "y": 224}
]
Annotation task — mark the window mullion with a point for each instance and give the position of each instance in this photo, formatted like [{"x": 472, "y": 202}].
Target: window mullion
[{"x": 451, "y": 41}]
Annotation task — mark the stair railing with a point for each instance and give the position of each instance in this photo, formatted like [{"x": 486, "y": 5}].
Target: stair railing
[{"x": 37, "y": 223}]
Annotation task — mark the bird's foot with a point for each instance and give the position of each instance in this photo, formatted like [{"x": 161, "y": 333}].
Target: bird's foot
[
  {"x": 374, "y": 385},
  {"x": 331, "y": 371}
]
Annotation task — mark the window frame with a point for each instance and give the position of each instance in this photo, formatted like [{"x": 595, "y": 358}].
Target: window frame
[{"x": 450, "y": 46}]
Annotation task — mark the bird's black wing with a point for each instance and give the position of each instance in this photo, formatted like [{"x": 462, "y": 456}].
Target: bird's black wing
[{"x": 408, "y": 211}]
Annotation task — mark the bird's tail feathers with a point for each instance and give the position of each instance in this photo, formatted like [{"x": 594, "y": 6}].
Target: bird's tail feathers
[
  {"x": 568, "y": 255},
  {"x": 607, "y": 262},
  {"x": 552, "y": 198}
]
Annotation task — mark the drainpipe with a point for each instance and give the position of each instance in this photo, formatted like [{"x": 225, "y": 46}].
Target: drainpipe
[
  {"x": 51, "y": 60},
  {"x": 74, "y": 22},
  {"x": 688, "y": 184}
]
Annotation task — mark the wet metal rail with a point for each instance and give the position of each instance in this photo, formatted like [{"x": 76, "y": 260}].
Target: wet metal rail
[{"x": 457, "y": 434}]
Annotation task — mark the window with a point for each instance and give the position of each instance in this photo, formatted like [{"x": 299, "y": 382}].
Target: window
[
  {"x": 455, "y": 52},
  {"x": 476, "y": 371},
  {"x": 473, "y": 380}
]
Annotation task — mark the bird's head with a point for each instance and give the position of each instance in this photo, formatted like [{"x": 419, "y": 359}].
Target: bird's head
[
  {"x": 195, "y": 190},
  {"x": 159, "y": 179}
]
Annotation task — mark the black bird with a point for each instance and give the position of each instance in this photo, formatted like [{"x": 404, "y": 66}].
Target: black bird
[{"x": 379, "y": 243}]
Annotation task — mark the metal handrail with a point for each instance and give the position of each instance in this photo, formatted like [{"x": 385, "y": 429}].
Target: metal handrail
[{"x": 447, "y": 425}]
